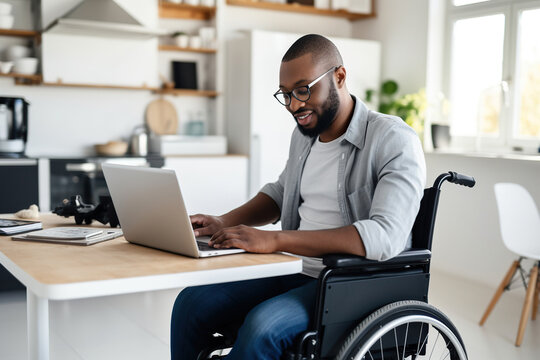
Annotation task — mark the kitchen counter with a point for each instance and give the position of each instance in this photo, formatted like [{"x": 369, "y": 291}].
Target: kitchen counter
[{"x": 488, "y": 155}]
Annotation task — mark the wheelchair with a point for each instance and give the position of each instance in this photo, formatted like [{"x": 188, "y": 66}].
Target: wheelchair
[{"x": 375, "y": 310}]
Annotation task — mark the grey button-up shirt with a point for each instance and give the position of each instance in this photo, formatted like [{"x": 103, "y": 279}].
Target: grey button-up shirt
[{"x": 381, "y": 179}]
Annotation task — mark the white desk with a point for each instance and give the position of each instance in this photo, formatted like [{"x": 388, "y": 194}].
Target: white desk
[{"x": 64, "y": 272}]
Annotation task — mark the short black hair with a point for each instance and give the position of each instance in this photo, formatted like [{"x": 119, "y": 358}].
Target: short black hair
[{"x": 322, "y": 50}]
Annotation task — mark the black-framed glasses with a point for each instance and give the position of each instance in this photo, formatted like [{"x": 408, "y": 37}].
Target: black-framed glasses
[{"x": 301, "y": 93}]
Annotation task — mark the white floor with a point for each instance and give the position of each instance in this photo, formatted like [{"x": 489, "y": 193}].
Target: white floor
[{"x": 137, "y": 326}]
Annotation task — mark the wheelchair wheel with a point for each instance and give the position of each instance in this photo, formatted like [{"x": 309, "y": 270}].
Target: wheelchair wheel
[{"x": 404, "y": 330}]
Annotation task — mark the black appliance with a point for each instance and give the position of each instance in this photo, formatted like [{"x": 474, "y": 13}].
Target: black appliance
[
  {"x": 13, "y": 126},
  {"x": 184, "y": 75},
  {"x": 19, "y": 189},
  {"x": 83, "y": 176},
  {"x": 19, "y": 186}
]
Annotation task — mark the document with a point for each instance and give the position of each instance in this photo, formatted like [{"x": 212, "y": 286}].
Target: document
[
  {"x": 71, "y": 235},
  {"x": 65, "y": 233},
  {"x": 14, "y": 226}
]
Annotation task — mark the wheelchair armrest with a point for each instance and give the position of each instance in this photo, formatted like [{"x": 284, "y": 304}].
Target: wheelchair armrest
[{"x": 412, "y": 256}]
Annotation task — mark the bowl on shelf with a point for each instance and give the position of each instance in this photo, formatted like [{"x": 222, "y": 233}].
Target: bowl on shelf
[
  {"x": 6, "y": 21},
  {"x": 15, "y": 52},
  {"x": 112, "y": 148},
  {"x": 26, "y": 66},
  {"x": 5, "y": 67}
]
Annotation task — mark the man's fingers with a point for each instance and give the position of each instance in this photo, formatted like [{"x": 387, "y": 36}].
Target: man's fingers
[
  {"x": 221, "y": 236},
  {"x": 197, "y": 219},
  {"x": 203, "y": 231},
  {"x": 230, "y": 243}
]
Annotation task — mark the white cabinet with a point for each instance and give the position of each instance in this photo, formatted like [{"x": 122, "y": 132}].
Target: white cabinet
[
  {"x": 211, "y": 185},
  {"x": 257, "y": 125}
]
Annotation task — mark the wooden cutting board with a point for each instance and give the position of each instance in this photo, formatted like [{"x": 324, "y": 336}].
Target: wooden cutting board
[{"x": 161, "y": 117}]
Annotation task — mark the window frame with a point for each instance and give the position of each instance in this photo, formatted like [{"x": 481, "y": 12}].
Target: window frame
[{"x": 508, "y": 119}]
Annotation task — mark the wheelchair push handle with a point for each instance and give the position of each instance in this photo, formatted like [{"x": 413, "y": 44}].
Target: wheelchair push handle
[
  {"x": 454, "y": 178},
  {"x": 461, "y": 179}
]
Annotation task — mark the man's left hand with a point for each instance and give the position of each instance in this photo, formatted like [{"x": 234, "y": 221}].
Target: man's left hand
[{"x": 245, "y": 237}]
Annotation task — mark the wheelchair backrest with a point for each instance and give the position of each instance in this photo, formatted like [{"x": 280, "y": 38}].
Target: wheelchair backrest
[{"x": 422, "y": 231}]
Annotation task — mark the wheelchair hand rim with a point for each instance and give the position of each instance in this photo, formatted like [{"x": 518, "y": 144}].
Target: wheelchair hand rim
[{"x": 411, "y": 319}]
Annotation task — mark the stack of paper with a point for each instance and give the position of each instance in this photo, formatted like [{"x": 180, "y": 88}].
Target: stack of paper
[
  {"x": 71, "y": 235},
  {"x": 13, "y": 226}
]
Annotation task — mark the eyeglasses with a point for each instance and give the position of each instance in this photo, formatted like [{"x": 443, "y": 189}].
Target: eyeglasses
[{"x": 301, "y": 93}]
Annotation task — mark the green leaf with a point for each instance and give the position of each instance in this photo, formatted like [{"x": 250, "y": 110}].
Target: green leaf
[
  {"x": 389, "y": 87},
  {"x": 369, "y": 95}
]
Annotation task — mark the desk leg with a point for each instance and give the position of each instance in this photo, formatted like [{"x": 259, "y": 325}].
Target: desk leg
[{"x": 37, "y": 312}]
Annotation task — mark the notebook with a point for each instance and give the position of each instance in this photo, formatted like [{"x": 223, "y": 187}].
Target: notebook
[
  {"x": 71, "y": 235},
  {"x": 15, "y": 226},
  {"x": 151, "y": 210}
]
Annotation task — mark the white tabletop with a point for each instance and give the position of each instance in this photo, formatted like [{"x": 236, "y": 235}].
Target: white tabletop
[{"x": 61, "y": 272}]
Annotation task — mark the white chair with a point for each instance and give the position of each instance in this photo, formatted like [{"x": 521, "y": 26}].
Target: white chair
[{"x": 520, "y": 230}]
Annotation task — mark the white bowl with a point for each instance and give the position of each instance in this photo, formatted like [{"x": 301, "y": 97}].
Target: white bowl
[
  {"x": 6, "y": 21},
  {"x": 5, "y": 8},
  {"x": 195, "y": 42},
  {"x": 6, "y": 66},
  {"x": 15, "y": 52},
  {"x": 26, "y": 66},
  {"x": 182, "y": 40},
  {"x": 112, "y": 148}
]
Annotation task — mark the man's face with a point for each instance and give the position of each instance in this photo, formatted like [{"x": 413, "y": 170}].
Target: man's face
[{"x": 315, "y": 115}]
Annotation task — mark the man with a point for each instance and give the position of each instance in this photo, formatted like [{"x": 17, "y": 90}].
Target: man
[{"x": 352, "y": 184}]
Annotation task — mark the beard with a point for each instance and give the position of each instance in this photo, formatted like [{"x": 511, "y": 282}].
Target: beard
[{"x": 326, "y": 117}]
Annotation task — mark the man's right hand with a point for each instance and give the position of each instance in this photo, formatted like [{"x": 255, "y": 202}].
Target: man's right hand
[{"x": 206, "y": 225}]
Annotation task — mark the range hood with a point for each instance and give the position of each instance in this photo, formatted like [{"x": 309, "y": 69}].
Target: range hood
[{"x": 101, "y": 17}]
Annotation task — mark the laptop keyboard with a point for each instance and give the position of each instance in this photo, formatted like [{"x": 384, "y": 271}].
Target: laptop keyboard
[{"x": 203, "y": 246}]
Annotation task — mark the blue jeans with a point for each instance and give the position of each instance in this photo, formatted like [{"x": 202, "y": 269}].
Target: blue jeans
[{"x": 267, "y": 314}]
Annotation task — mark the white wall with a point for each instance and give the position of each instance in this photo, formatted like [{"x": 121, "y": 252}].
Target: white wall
[
  {"x": 401, "y": 27},
  {"x": 467, "y": 241}
]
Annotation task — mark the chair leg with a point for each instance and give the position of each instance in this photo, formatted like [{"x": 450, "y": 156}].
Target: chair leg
[
  {"x": 536, "y": 296},
  {"x": 527, "y": 305},
  {"x": 508, "y": 277}
]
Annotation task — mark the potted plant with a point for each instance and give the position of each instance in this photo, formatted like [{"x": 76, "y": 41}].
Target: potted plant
[{"x": 410, "y": 107}]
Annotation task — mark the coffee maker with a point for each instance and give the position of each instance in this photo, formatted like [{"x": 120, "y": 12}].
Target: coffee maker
[{"x": 13, "y": 126}]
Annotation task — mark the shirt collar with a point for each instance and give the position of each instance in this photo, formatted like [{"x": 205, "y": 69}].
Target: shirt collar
[{"x": 356, "y": 132}]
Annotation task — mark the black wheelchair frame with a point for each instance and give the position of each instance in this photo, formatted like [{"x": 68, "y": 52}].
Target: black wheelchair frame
[{"x": 357, "y": 297}]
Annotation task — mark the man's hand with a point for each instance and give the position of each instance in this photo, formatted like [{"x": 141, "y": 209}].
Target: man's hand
[
  {"x": 245, "y": 237},
  {"x": 206, "y": 225}
]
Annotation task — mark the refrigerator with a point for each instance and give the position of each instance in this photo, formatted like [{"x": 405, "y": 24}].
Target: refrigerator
[{"x": 256, "y": 124}]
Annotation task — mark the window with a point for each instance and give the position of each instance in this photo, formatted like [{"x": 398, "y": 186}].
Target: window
[
  {"x": 492, "y": 71},
  {"x": 528, "y": 75},
  {"x": 466, "y": 2}
]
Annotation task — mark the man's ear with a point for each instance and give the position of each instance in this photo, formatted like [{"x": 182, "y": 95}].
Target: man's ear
[{"x": 341, "y": 75}]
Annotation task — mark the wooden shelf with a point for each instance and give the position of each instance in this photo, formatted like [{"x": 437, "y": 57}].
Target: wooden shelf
[
  {"x": 101, "y": 86},
  {"x": 298, "y": 8},
  {"x": 185, "y": 11},
  {"x": 19, "y": 33},
  {"x": 188, "y": 92},
  {"x": 187, "y": 49},
  {"x": 23, "y": 79}
]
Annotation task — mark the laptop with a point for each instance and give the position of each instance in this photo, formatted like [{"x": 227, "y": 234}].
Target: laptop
[{"x": 151, "y": 211}]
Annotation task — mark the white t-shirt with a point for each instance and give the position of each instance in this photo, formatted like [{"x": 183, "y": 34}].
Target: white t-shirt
[{"x": 318, "y": 190}]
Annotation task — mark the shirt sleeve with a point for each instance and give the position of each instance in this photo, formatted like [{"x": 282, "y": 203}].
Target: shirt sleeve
[
  {"x": 276, "y": 189},
  {"x": 401, "y": 173}
]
